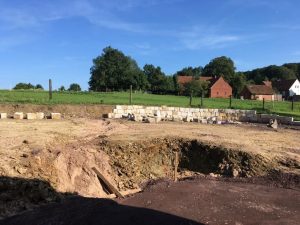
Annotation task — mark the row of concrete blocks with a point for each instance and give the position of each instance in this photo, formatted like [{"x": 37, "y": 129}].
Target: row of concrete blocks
[
  {"x": 265, "y": 118},
  {"x": 153, "y": 109},
  {"x": 31, "y": 116},
  {"x": 170, "y": 117}
]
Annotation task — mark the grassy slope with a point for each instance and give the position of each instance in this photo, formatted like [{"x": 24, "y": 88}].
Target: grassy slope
[{"x": 41, "y": 97}]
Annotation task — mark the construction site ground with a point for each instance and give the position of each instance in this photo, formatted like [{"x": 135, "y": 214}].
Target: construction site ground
[{"x": 46, "y": 172}]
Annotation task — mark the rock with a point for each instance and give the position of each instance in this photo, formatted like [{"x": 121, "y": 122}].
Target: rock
[
  {"x": 18, "y": 115},
  {"x": 55, "y": 116},
  {"x": 274, "y": 124},
  {"x": 31, "y": 116},
  {"x": 213, "y": 175},
  {"x": 3, "y": 115},
  {"x": 235, "y": 172},
  {"x": 20, "y": 170},
  {"x": 149, "y": 120}
]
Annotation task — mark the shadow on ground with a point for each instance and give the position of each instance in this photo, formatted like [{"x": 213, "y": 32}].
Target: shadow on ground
[{"x": 35, "y": 202}]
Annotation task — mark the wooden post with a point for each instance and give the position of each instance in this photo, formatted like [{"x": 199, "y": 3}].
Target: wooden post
[
  {"x": 108, "y": 184},
  {"x": 130, "y": 95},
  {"x": 191, "y": 99},
  {"x": 201, "y": 100},
  {"x": 293, "y": 103},
  {"x": 50, "y": 89},
  {"x": 175, "y": 166},
  {"x": 230, "y": 101},
  {"x": 263, "y": 103}
]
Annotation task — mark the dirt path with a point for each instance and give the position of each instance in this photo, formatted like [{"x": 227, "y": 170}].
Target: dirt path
[{"x": 200, "y": 201}]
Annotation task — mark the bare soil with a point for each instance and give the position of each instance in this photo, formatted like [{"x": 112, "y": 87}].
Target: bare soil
[
  {"x": 194, "y": 201},
  {"x": 57, "y": 156}
]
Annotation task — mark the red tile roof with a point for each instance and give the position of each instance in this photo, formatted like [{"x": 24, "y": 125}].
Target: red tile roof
[{"x": 184, "y": 79}]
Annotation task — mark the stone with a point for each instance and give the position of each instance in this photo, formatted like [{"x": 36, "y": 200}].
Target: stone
[
  {"x": 3, "y": 115},
  {"x": 40, "y": 115},
  {"x": 235, "y": 172},
  {"x": 273, "y": 124},
  {"x": 55, "y": 116},
  {"x": 18, "y": 116},
  {"x": 150, "y": 120},
  {"x": 31, "y": 116}
]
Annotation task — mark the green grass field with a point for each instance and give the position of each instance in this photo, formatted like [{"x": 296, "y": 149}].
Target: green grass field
[{"x": 111, "y": 98}]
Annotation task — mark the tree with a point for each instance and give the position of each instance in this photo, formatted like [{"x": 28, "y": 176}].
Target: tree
[
  {"x": 196, "y": 87},
  {"x": 238, "y": 83},
  {"x": 113, "y": 70},
  {"x": 74, "y": 87},
  {"x": 62, "y": 88},
  {"x": 220, "y": 66},
  {"x": 272, "y": 72},
  {"x": 155, "y": 77},
  {"x": 38, "y": 86},
  {"x": 23, "y": 86},
  {"x": 190, "y": 71}
]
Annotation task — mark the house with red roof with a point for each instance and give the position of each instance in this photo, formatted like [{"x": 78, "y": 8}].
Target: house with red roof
[{"x": 218, "y": 87}]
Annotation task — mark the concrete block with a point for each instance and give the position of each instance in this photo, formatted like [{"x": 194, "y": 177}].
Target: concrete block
[
  {"x": 119, "y": 107},
  {"x": 204, "y": 121},
  {"x": 31, "y": 116},
  {"x": 3, "y": 115},
  {"x": 40, "y": 115},
  {"x": 55, "y": 116},
  {"x": 18, "y": 116}
]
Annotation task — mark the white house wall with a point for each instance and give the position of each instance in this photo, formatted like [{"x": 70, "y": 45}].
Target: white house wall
[{"x": 295, "y": 88}]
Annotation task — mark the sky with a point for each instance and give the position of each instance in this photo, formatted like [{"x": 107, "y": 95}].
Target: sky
[{"x": 58, "y": 39}]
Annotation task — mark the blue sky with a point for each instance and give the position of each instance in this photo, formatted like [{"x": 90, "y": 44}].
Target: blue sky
[{"x": 59, "y": 38}]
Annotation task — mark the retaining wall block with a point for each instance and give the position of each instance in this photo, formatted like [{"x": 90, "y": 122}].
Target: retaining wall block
[
  {"x": 31, "y": 116},
  {"x": 40, "y": 115},
  {"x": 18, "y": 115},
  {"x": 3, "y": 115},
  {"x": 55, "y": 116}
]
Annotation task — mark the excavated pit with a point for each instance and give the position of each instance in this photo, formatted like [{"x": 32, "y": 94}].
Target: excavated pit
[
  {"x": 137, "y": 162},
  {"x": 126, "y": 164}
]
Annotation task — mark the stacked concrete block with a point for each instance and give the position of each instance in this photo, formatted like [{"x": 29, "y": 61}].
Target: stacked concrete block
[
  {"x": 40, "y": 115},
  {"x": 3, "y": 115},
  {"x": 216, "y": 116},
  {"x": 55, "y": 116},
  {"x": 31, "y": 116},
  {"x": 18, "y": 115}
]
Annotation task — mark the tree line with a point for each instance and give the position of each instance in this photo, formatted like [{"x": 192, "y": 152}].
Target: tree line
[
  {"x": 29, "y": 86},
  {"x": 114, "y": 71}
]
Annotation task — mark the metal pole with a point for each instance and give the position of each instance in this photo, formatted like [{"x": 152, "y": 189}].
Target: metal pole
[
  {"x": 130, "y": 96},
  {"x": 191, "y": 98},
  {"x": 50, "y": 89},
  {"x": 293, "y": 103},
  {"x": 263, "y": 103},
  {"x": 230, "y": 101}
]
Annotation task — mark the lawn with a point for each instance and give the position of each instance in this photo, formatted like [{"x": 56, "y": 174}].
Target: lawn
[{"x": 111, "y": 98}]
